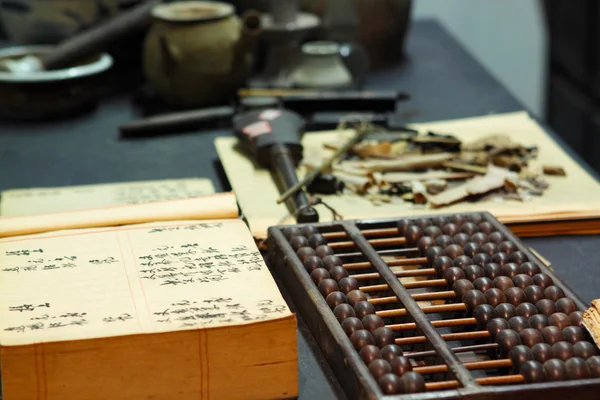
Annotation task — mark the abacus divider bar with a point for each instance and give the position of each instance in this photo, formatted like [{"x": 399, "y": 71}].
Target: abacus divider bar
[
  {"x": 438, "y": 343},
  {"x": 455, "y": 350},
  {"x": 396, "y": 241},
  {"x": 366, "y": 233},
  {"x": 409, "y": 273}
]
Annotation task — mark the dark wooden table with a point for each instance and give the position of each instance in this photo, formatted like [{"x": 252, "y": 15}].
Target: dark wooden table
[{"x": 444, "y": 82}]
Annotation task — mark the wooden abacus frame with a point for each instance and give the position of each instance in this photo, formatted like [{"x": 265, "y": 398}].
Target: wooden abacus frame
[{"x": 351, "y": 372}]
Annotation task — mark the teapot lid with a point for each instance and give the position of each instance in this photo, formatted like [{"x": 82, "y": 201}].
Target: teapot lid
[{"x": 191, "y": 11}]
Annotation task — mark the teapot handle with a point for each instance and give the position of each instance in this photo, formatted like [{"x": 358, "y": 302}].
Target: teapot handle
[{"x": 171, "y": 53}]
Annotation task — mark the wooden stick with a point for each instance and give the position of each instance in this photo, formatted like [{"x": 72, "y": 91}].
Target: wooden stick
[
  {"x": 400, "y": 274},
  {"x": 399, "y": 312},
  {"x": 492, "y": 380},
  {"x": 407, "y": 285},
  {"x": 462, "y": 349},
  {"x": 417, "y": 297},
  {"x": 396, "y": 241},
  {"x": 449, "y": 337},
  {"x": 445, "y": 323},
  {"x": 391, "y": 252},
  {"x": 487, "y": 364},
  {"x": 394, "y": 263},
  {"x": 368, "y": 233}
]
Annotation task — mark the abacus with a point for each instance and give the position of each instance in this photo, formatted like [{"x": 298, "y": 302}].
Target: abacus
[{"x": 448, "y": 307}]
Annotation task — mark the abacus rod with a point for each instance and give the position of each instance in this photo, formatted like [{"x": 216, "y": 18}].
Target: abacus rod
[
  {"x": 444, "y": 323},
  {"x": 393, "y": 263},
  {"x": 388, "y": 252},
  {"x": 399, "y": 312},
  {"x": 449, "y": 337},
  {"x": 366, "y": 233},
  {"x": 492, "y": 380},
  {"x": 475, "y": 365},
  {"x": 456, "y": 350},
  {"x": 407, "y": 285},
  {"x": 416, "y": 297},
  {"x": 396, "y": 241},
  {"x": 410, "y": 273}
]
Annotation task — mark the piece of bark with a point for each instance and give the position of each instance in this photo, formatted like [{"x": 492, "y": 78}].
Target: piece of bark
[
  {"x": 591, "y": 321},
  {"x": 358, "y": 184},
  {"x": 554, "y": 170},
  {"x": 373, "y": 149},
  {"x": 511, "y": 182},
  {"x": 539, "y": 183},
  {"x": 449, "y": 196},
  {"x": 491, "y": 142},
  {"x": 512, "y": 163},
  {"x": 435, "y": 186},
  {"x": 404, "y": 163},
  {"x": 419, "y": 192},
  {"x": 399, "y": 177},
  {"x": 465, "y": 167}
]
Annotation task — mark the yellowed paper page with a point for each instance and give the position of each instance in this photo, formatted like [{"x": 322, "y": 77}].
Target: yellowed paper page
[
  {"x": 140, "y": 279},
  {"x": 18, "y": 202},
  {"x": 217, "y": 206},
  {"x": 576, "y": 194}
]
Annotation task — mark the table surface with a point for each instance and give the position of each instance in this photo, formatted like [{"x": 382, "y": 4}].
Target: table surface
[{"x": 443, "y": 80}]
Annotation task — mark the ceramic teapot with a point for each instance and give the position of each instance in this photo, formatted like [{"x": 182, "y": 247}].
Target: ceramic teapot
[{"x": 198, "y": 53}]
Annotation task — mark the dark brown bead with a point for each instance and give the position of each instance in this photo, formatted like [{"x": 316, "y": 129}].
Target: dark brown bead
[
  {"x": 495, "y": 297},
  {"x": 534, "y": 293},
  {"x": 490, "y": 248},
  {"x": 312, "y": 263},
  {"x": 462, "y": 261},
  {"x": 523, "y": 281},
  {"x": 439, "y": 221},
  {"x": 441, "y": 264},
  {"x": 316, "y": 239},
  {"x": 291, "y": 232},
  {"x": 324, "y": 251},
  {"x": 444, "y": 241},
  {"x": 351, "y": 324},
  {"x": 298, "y": 242},
  {"x": 390, "y": 351},
  {"x": 483, "y": 284},
  {"x": 496, "y": 326},
  {"x": 390, "y": 384},
  {"x": 543, "y": 280},
  {"x": 507, "y": 339},
  {"x": 506, "y": 311},
  {"x": 422, "y": 222},
  {"x": 461, "y": 287},
  {"x": 354, "y": 296},
  {"x": 379, "y": 367},
  {"x": 413, "y": 382},
  {"x": 361, "y": 338},
  {"x": 476, "y": 218},
  {"x": 369, "y": 353},
  {"x": 565, "y": 305},
  {"x": 533, "y": 372},
  {"x": 471, "y": 249},
  {"x": 552, "y": 334},
  {"x": 538, "y": 321},
  {"x": 304, "y": 252},
  {"x": 481, "y": 259},
  {"x": 573, "y": 334},
  {"x": 461, "y": 239},
  {"x": 319, "y": 274},
  {"x": 531, "y": 337},
  {"x": 496, "y": 237},
  {"x": 363, "y": 308},
  {"x": 453, "y": 251},
  {"x": 511, "y": 270},
  {"x": 334, "y": 299},
  {"x": 518, "y": 323},
  {"x": 576, "y": 317},
  {"x": 507, "y": 247},
  {"x": 383, "y": 336},
  {"x": 327, "y": 286},
  {"x": 584, "y": 350},
  {"x": 472, "y": 299},
  {"x": 554, "y": 293},
  {"x": 563, "y": 350},
  {"x": 433, "y": 253},
  {"x": 413, "y": 234},
  {"x": 519, "y": 355},
  {"x": 486, "y": 227},
  {"x": 332, "y": 262},
  {"x": 372, "y": 322},
  {"x": 450, "y": 229},
  {"x": 526, "y": 310},
  {"x": 500, "y": 258},
  {"x": 480, "y": 238},
  {"x": 542, "y": 352},
  {"x": 530, "y": 268},
  {"x": 577, "y": 368},
  {"x": 518, "y": 257},
  {"x": 473, "y": 272},
  {"x": 309, "y": 230},
  {"x": 546, "y": 307},
  {"x": 432, "y": 231},
  {"x": 401, "y": 365},
  {"x": 515, "y": 296},
  {"x": 594, "y": 365},
  {"x": 555, "y": 370},
  {"x": 503, "y": 283},
  {"x": 348, "y": 284},
  {"x": 492, "y": 270},
  {"x": 453, "y": 274},
  {"x": 425, "y": 243},
  {"x": 343, "y": 312},
  {"x": 469, "y": 228},
  {"x": 458, "y": 219},
  {"x": 559, "y": 319},
  {"x": 402, "y": 224},
  {"x": 483, "y": 314},
  {"x": 338, "y": 273}
]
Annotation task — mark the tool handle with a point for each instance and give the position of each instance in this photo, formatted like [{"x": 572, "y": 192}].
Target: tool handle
[{"x": 96, "y": 39}]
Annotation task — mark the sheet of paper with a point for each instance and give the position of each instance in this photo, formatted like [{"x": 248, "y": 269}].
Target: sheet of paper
[
  {"x": 568, "y": 197},
  {"x": 139, "y": 279},
  {"x": 17, "y": 202}
]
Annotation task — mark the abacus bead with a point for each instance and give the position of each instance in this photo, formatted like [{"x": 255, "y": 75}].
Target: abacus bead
[
  {"x": 472, "y": 299},
  {"x": 334, "y": 299},
  {"x": 507, "y": 247},
  {"x": 530, "y": 337},
  {"x": 369, "y": 353},
  {"x": 461, "y": 239},
  {"x": 577, "y": 368},
  {"x": 304, "y": 252},
  {"x": 390, "y": 351},
  {"x": 483, "y": 314},
  {"x": 507, "y": 339},
  {"x": 515, "y": 296},
  {"x": 450, "y": 229},
  {"x": 413, "y": 382},
  {"x": 563, "y": 350},
  {"x": 439, "y": 221},
  {"x": 309, "y": 230},
  {"x": 554, "y": 293},
  {"x": 473, "y": 272},
  {"x": 298, "y": 242},
  {"x": 316, "y": 239},
  {"x": 344, "y": 311},
  {"x": 496, "y": 326},
  {"x": 432, "y": 231},
  {"x": 458, "y": 219},
  {"x": 383, "y": 336},
  {"x": 495, "y": 297},
  {"x": 576, "y": 317},
  {"x": 543, "y": 280},
  {"x": 338, "y": 273},
  {"x": 379, "y": 367},
  {"x": 332, "y": 262},
  {"x": 461, "y": 287},
  {"x": 324, "y": 251},
  {"x": 523, "y": 281},
  {"x": 538, "y": 321},
  {"x": 565, "y": 305},
  {"x": 483, "y": 284},
  {"x": 471, "y": 249},
  {"x": 401, "y": 365},
  {"x": 492, "y": 270},
  {"x": 534, "y": 293},
  {"x": 433, "y": 253},
  {"x": 482, "y": 259},
  {"x": 573, "y": 334},
  {"x": 555, "y": 370},
  {"x": 351, "y": 324},
  {"x": 390, "y": 384},
  {"x": 425, "y": 243},
  {"x": 559, "y": 319},
  {"x": 319, "y": 274},
  {"x": 506, "y": 311},
  {"x": 361, "y": 338},
  {"x": 441, "y": 264},
  {"x": 584, "y": 349},
  {"x": 422, "y": 222},
  {"x": 327, "y": 286},
  {"x": 348, "y": 284},
  {"x": 546, "y": 307},
  {"x": 518, "y": 324},
  {"x": 462, "y": 261},
  {"x": 526, "y": 310},
  {"x": 594, "y": 365},
  {"x": 533, "y": 372},
  {"x": 363, "y": 308},
  {"x": 500, "y": 258},
  {"x": 312, "y": 263},
  {"x": 496, "y": 237},
  {"x": 503, "y": 282},
  {"x": 444, "y": 241},
  {"x": 518, "y": 257},
  {"x": 402, "y": 224},
  {"x": 490, "y": 248},
  {"x": 372, "y": 322},
  {"x": 412, "y": 234},
  {"x": 511, "y": 270},
  {"x": 453, "y": 251},
  {"x": 542, "y": 352},
  {"x": 292, "y": 232},
  {"x": 354, "y": 296},
  {"x": 552, "y": 334},
  {"x": 530, "y": 268},
  {"x": 480, "y": 238},
  {"x": 486, "y": 227},
  {"x": 469, "y": 228},
  {"x": 453, "y": 274},
  {"x": 519, "y": 355}
]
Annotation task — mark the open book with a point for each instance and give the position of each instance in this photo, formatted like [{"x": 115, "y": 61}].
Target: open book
[{"x": 101, "y": 304}]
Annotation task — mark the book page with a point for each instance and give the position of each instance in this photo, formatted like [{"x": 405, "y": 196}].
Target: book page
[
  {"x": 17, "y": 202},
  {"x": 139, "y": 279}
]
